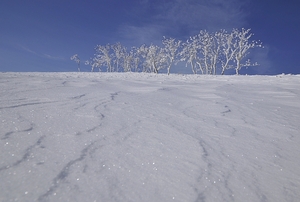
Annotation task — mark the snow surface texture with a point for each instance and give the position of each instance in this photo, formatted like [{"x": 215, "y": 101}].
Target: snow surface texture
[{"x": 146, "y": 137}]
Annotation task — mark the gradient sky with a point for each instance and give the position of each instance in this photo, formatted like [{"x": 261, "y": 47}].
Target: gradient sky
[{"x": 42, "y": 35}]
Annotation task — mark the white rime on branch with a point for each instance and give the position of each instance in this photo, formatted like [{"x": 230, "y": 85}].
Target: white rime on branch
[
  {"x": 77, "y": 60},
  {"x": 170, "y": 52},
  {"x": 206, "y": 53},
  {"x": 242, "y": 46}
]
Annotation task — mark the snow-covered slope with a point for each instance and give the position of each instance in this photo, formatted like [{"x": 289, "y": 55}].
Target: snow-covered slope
[{"x": 146, "y": 137}]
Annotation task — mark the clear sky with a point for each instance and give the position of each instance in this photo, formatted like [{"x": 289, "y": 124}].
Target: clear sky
[{"x": 42, "y": 35}]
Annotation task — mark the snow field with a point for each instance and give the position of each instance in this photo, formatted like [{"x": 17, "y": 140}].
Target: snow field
[{"x": 147, "y": 137}]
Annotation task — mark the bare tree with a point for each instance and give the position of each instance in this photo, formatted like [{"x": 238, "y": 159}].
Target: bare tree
[
  {"x": 77, "y": 60},
  {"x": 242, "y": 46},
  {"x": 154, "y": 58},
  {"x": 209, "y": 45},
  {"x": 171, "y": 51},
  {"x": 205, "y": 41},
  {"x": 228, "y": 51},
  {"x": 206, "y": 52},
  {"x": 95, "y": 63},
  {"x": 103, "y": 56},
  {"x": 189, "y": 54},
  {"x": 127, "y": 60},
  {"x": 137, "y": 58},
  {"x": 218, "y": 38},
  {"x": 118, "y": 55}
]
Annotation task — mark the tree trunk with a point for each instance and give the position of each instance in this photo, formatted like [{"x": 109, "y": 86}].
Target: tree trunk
[{"x": 238, "y": 67}]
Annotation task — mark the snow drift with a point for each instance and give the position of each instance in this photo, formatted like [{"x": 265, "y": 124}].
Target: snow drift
[{"x": 147, "y": 137}]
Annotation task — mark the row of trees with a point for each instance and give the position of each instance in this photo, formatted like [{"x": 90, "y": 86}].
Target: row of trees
[{"x": 205, "y": 53}]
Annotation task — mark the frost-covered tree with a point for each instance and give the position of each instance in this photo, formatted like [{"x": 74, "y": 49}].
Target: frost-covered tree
[
  {"x": 140, "y": 56},
  {"x": 155, "y": 58},
  {"x": 205, "y": 41},
  {"x": 77, "y": 60},
  {"x": 127, "y": 60},
  {"x": 202, "y": 52},
  {"x": 228, "y": 51},
  {"x": 189, "y": 54},
  {"x": 118, "y": 55},
  {"x": 151, "y": 57},
  {"x": 171, "y": 52},
  {"x": 136, "y": 54},
  {"x": 216, "y": 52},
  {"x": 94, "y": 63},
  {"x": 210, "y": 53},
  {"x": 242, "y": 45},
  {"x": 104, "y": 57},
  {"x": 209, "y": 50}
]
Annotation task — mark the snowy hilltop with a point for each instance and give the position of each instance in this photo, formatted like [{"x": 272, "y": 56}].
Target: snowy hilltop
[{"x": 149, "y": 137}]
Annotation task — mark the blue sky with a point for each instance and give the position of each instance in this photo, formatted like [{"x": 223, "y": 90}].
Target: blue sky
[{"x": 41, "y": 35}]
